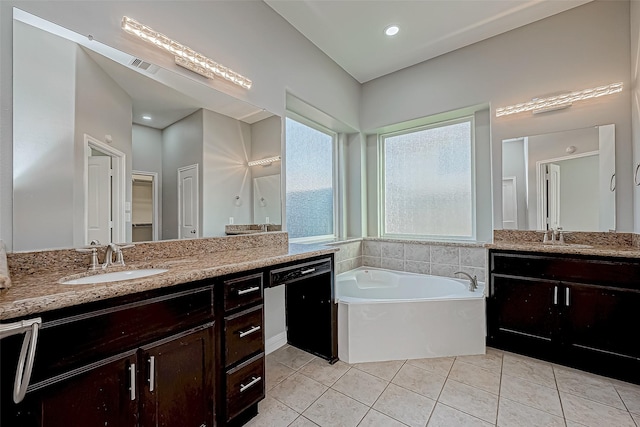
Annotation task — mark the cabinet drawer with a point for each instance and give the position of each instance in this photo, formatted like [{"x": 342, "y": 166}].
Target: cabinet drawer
[
  {"x": 242, "y": 291},
  {"x": 83, "y": 338},
  {"x": 299, "y": 271},
  {"x": 244, "y": 386},
  {"x": 244, "y": 334}
]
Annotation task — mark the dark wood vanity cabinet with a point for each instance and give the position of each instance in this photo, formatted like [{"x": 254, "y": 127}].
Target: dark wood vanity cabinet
[{"x": 573, "y": 309}]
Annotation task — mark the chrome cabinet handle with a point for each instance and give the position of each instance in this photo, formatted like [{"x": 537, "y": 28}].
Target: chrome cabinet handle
[
  {"x": 250, "y": 331},
  {"x": 310, "y": 270},
  {"x": 132, "y": 381},
  {"x": 246, "y": 291},
  {"x": 30, "y": 328},
  {"x": 635, "y": 175},
  {"x": 253, "y": 382},
  {"x": 555, "y": 295},
  {"x": 566, "y": 297},
  {"x": 152, "y": 373},
  {"x": 612, "y": 183}
]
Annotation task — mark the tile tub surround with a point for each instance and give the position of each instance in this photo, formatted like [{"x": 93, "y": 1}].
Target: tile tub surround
[
  {"x": 36, "y": 289},
  {"x": 496, "y": 389},
  {"x": 435, "y": 258},
  {"x": 350, "y": 255}
]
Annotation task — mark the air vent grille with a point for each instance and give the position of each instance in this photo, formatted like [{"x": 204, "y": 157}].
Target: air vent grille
[{"x": 144, "y": 65}]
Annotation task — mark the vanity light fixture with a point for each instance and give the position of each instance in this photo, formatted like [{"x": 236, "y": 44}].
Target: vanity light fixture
[
  {"x": 184, "y": 56},
  {"x": 392, "y": 30},
  {"x": 542, "y": 105},
  {"x": 264, "y": 162}
]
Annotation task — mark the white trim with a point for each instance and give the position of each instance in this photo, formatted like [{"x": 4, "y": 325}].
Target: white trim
[
  {"x": 118, "y": 192},
  {"x": 275, "y": 342},
  {"x": 155, "y": 216}
]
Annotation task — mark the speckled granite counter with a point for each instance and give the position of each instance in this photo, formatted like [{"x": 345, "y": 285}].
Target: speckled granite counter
[
  {"x": 623, "y": 245},
  {"x": 36, "y": 288}
]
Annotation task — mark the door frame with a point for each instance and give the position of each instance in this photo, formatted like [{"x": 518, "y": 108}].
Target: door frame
[
  {"x": 197, "y": 211},
  {"x": 515, "y": 190},
  {"x": 118, "y": 162},
  {"x": 541, "y": 183},
  {"x": 154, "y": 192}
]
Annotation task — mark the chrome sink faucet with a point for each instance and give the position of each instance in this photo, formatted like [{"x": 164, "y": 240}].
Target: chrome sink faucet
[
  {"x": 112, "y": 249},
  {"x": 473, "y": 280}
]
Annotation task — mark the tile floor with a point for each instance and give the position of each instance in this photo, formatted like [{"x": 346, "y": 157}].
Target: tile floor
[{"x": 497, "y": 389}]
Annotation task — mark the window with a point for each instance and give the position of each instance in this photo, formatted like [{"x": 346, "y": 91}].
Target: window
[
  {"x": 309, "y": 178},
  {"x": 428, "y": 181}
]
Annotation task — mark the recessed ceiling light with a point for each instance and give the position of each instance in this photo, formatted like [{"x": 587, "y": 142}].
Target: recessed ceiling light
[
  {"x": 146, "y": 117},
  {"x": 391, "y": 30}
]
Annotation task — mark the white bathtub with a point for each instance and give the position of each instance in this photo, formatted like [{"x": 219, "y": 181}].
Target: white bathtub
[{"x": 393, "y": 315}]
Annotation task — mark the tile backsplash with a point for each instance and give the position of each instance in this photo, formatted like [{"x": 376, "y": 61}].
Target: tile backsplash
[{"x": 438, "y": 259}]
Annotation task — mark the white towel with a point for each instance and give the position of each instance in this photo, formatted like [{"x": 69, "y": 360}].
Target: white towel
[{"x": 5, "y": 280}]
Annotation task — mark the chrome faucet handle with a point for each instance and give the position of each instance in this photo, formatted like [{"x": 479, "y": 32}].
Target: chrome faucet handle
[
  {"x": 94, "y": 256},
  {"x": 119, "y": 256},
  {"x": 545, "y": 238}
]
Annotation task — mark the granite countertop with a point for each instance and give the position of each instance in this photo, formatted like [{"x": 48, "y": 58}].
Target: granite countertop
[
  {"x": 570, "y": 249},
  {"x": 31, "y": 294}
]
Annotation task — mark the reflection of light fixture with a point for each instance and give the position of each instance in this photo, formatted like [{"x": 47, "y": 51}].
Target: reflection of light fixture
[
  {"x": 391, "y": 30},
  {"x": 264, "y": 162},
  {"x": 184, "y": 56},
  {"x": 146, "y": 117},
  {"x": 542, "y": 105}
]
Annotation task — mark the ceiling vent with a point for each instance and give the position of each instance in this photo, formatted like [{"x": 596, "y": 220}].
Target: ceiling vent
[{"x": 144, "y": 65}]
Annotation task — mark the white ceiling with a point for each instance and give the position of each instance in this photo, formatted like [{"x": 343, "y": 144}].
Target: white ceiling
[{"x": 351, "y": 32}]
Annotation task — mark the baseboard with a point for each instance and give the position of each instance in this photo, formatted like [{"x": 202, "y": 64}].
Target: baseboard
[{"x": 275, "y": 342}]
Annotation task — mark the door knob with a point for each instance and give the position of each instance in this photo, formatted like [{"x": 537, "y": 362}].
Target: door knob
[{"x": 193, "y": 231}]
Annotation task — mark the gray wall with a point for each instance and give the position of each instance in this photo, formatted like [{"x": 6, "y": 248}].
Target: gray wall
[
  {"x": 582, "y": 48},
  {"x": 147, "y": 157},
  {"x": 579, "y": 208},
  {"x": 181, "y": 146},
  {"x": 273, "y": 54},
  {"x": 513, "y": 164},
  {"x": 266, "y": 141}
]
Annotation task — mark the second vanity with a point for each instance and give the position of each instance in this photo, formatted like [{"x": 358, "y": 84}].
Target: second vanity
[
  {"x": 185, "y": 347},
  {"x": 574, "y": 305}
]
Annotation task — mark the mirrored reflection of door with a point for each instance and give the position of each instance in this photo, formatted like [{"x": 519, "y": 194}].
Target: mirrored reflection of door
[
  {"x": 99, "y": 224},
  {"x": 509, "y": 203},
  {"x": 553, "y": 196},
  {"x": 188, "y": 202},
  {"x": 144, "y": 209}
]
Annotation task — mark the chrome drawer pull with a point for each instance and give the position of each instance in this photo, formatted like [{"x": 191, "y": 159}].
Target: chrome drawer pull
[
  {"x": 555, "y": 295},
  {"x": 152, "y": 373},
  {"x": 246, "y": 291},
  {"x": 132, "y": 379},
  {"x": 310, "y": 270},
  {"x": 566, "y": 292},
  {"x": 253, "y": 382},
  {"x": 250, "y": 331}
]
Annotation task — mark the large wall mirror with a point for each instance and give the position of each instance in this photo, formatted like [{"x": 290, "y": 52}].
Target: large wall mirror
[
  {"x": 560, "y": 180},
  {"x": 110, "y": 147}
]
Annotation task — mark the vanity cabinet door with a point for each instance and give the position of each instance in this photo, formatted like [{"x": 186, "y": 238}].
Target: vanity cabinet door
[
  {"x": 176, "y": 381},
  {"x": 523, "y": 311},
  {"x": 99, "y": 397}
]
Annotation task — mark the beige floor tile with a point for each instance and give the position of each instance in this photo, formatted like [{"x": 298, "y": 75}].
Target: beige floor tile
[
  {"x": 514, "y": 414},
  {"x": 471, "y": 400},
  {"x": 492, "y": 360},
  {"x": 574, "y": 424},
  {"x": 336, "y": 409},
  {"x": 422, "y": 382},
  {"x": 405, "y": 406},
  {"x": 446, "y": 416},
  {"x": 384, "y": 370},
  {"x": 529, "y": 369},
  {"x": 439, "y": 365},
  {"x": 630, "y": 394},
  {"x": 298, "y": 392},
  {"x": 531, "y": 394},
  {"x": 303, "y": 422},
  {"x": 361, "y": 386},
  {"x": 587, "y": 385},
  {"x": 324, "y": 372},
  {"x": 275, "y": 373},
  {"x": 272, "y": 413},
  {"x": 291, "y": 357},
  {"x": 377, "y": 419},
  {"x": 636, "y": 418},
  {"x": 593, "y": 414},
  {"x": 475, "y": 376}
]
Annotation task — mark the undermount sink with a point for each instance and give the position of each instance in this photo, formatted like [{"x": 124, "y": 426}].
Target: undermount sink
[{"x": 115, "y": 276}]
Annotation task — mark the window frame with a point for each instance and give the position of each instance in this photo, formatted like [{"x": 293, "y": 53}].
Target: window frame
[
  {"x": 334, "y": 178},
  {"x": 382, "y": 180}
]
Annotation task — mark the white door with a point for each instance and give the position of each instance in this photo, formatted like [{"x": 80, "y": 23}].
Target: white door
[
  {"x": 99, "y": 223},
  {"x": 188, "y": 202},
  {"x": 553, "y": 195},
  {"x": 509, "y": 204}
]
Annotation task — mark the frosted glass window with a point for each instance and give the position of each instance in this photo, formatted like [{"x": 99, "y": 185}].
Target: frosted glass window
[
  {"x": 309, "y": 181},
  {"x": 428, "y": 182}
]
